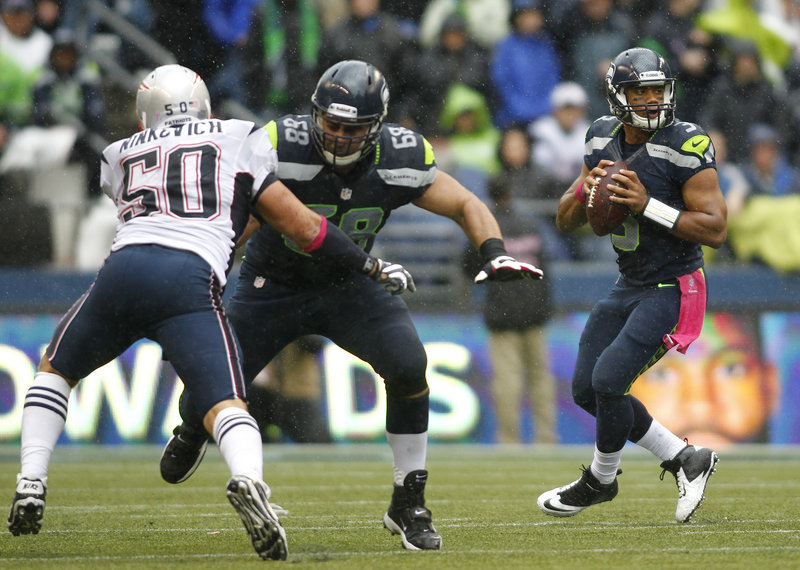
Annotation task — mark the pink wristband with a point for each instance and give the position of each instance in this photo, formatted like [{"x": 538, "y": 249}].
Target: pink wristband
[
  {"x": 579, "y": 195},
  {"x": 323, "y": 231}
]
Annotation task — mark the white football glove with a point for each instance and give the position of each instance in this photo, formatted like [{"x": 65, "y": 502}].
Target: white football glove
[
  {"x": 506, "y": 268},
  {"x": 394, "y": 277}
]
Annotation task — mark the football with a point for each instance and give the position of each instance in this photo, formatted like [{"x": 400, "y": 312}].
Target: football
[{"x": 603, "y": 214}]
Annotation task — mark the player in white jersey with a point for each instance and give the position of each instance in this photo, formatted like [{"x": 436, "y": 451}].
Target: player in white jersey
[
  {"x": 177, "y": 186},
  {"x": 184, "y": 187}
]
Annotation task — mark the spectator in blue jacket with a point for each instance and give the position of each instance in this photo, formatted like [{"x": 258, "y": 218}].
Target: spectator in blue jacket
[
  {"x": 768, "y": 170},
  {"x": 525, "y": 67},
  {"x": 228, "y": 22}
]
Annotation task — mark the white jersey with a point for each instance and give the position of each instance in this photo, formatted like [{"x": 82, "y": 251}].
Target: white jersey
[{"x": 189, "y": 186}]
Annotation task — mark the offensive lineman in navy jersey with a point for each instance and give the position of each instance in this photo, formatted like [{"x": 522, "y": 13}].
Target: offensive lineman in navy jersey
[
  {"x": 183, "y": 187},
  {"x": 658, "y": 302},
  {"x": 344, "y": 163}
]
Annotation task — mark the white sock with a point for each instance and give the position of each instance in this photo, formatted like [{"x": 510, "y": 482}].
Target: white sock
[
  {"x": 661, "y": 442},
  {"x": 409, "y": 451},
  {"x": 43, "y": 419},
  {"x": 239, "y": 441},
  {"x": 604, "y": 465}
]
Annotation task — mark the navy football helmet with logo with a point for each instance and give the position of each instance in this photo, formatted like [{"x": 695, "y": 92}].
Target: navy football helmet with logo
[
  {"x": 640, "y": 67},
  {"x": 348, "y": 109}
]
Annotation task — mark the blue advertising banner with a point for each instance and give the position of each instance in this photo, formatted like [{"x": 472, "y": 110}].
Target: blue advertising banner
[{"x": 740, "y": 382}]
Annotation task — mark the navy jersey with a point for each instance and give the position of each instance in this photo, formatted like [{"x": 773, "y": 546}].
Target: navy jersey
[
  {"x": 401, "y": 169},
  {"x": 646, "y": 252}
]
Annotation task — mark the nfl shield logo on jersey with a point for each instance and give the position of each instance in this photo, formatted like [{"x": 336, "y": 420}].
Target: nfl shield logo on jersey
[
  {"x": 346, "y": 194},
  {"x": 258, "y": 282}
]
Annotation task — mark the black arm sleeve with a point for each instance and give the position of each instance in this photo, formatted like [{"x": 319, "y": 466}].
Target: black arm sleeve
[{"x": 333, "y": 243}]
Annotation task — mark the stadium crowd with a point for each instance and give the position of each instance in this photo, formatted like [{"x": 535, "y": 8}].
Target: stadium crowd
[{"x": 463, "y": 72}]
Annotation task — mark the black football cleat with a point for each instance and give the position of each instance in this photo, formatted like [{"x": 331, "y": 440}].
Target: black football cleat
[
  {"x": 408, "y": 517},
  {"x": 569, "y": 500},
  {"x": 183, "y": 453}
]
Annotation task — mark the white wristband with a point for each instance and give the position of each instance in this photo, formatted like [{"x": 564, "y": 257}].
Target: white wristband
[{"x": 660, "y": 213}]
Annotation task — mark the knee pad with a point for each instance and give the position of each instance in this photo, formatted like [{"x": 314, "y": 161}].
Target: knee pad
[
  {"x": 405, "y": 378},
  {"x": 404, "y": 388}
]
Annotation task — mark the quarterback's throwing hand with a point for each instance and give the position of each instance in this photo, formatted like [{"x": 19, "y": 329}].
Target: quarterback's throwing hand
[
  {"x": 506, "y": 268},
  {"x": 394, "y": 277}
]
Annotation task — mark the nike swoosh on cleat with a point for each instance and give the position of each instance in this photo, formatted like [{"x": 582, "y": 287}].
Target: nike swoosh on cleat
[{"x": 552, "y": 507}]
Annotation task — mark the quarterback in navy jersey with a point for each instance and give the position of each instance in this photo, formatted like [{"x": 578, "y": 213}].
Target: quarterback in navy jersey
[
  {"x": 658, "y": 302},
  {"x": 345, "y": 163},
  {"x": 184, "y": 187}
]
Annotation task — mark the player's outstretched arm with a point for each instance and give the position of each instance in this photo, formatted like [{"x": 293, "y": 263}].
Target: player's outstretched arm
[
  {"x": 499, "y": 266},
  {"x": 447, "y": 197},
  {"x": 281, "y": 209}
]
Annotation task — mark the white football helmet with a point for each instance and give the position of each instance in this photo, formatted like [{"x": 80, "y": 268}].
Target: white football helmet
[{"x": 170, "y": 95}]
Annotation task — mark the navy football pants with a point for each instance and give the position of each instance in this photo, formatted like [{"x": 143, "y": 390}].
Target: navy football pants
[
  {"x": 167, "y": 295},
  {"x": 356, "y": 314},
  {"x": 622, "y": 338}
]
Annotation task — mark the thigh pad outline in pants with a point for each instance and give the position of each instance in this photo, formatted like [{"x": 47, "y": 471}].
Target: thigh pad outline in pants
[
  {"x": 377, "y": 328},
  {"x": 266, "y": 321},
  {"x": 639, "y": 344},
  {"x": 120, "y": 307}
]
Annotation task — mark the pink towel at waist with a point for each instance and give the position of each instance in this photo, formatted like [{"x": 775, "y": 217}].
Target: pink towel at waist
[{"x": 693, "y": 310}]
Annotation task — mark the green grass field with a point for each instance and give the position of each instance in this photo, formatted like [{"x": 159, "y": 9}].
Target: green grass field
[{"x": 107, "y": 506}]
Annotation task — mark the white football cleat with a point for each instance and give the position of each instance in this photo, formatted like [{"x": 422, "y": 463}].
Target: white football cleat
[
  {"x": 692, "y": 468},
  {"x": 250, "y": 498}
]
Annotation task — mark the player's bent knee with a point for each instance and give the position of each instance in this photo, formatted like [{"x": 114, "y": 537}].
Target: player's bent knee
[
  {"x": 46, "y": 366},
  {"x": 407, "y": 388},
  {"x": 211, "y": 415},
  {"x": 585, "y": 399}
]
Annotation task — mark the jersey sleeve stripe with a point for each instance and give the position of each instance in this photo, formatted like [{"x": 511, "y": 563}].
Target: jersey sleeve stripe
[
  {"x": 298, "y": 171},
  {"x": 272, "y": 129},
  {"x": 429, "y": 156}
]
